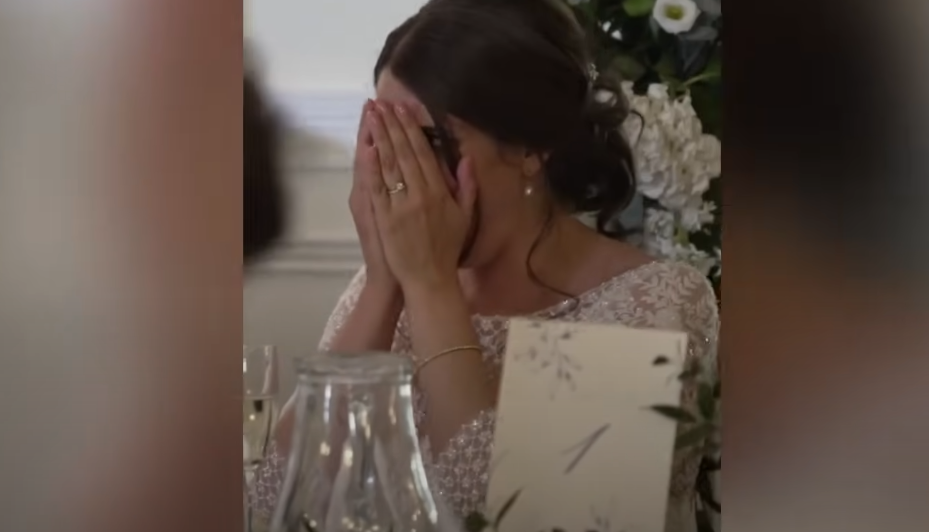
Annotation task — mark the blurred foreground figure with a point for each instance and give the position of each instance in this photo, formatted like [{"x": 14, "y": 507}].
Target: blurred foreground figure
[
  {"x": 262, "y": 194},
  {"x": 825, "y": 346},
  {"x": 121, "y": 305}
]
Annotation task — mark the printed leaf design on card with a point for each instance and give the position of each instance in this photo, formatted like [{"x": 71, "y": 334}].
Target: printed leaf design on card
[
  {"x": 549, "y": 355},
  {"x": 579, "y": 450},
  {"x": 577, "y": 431}
]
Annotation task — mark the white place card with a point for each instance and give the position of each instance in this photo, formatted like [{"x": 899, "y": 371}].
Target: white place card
[{"x": 575, "y": 434}]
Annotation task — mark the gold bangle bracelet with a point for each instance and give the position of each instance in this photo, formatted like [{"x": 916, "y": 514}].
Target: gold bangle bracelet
[{"x": 449, "y": 351}]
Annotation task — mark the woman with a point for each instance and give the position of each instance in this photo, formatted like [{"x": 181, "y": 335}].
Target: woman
[{"x": 498, "y": 94}]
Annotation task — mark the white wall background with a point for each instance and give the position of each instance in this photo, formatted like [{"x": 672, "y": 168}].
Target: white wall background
[
  {"x": 323, "y": 44},
  {"x": 316, "y": 58}
]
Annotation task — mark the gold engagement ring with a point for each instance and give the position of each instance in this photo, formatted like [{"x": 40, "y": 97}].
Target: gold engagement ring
[{"x": 396, "y": 189}]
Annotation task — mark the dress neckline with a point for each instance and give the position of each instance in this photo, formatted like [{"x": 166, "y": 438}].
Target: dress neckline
[{"x": 561, "y": 307}]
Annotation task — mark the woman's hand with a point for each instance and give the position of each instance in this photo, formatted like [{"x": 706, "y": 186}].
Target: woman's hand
[
  {"x": 422, "y": 226},
  {"x": 367, "y": 167}
]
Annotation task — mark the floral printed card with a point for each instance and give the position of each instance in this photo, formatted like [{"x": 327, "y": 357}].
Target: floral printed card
[{"x": 575, "y": 434}]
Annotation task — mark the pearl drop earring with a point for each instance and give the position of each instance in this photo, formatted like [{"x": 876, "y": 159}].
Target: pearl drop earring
[{"x": 528, "y": 190}]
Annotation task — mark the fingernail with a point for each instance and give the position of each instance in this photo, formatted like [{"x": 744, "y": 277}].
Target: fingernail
[
  {"x": 380, "y": 107},
  {"x": 401, "y": 109}
]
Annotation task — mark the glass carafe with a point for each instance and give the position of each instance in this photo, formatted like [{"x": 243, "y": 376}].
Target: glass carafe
[{"x": 355, "y": 463}]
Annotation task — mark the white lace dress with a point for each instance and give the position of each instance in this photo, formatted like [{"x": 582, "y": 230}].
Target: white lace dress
[{"x": 658, "y": 295}]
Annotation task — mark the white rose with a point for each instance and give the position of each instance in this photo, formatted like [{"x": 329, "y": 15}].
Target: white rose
[{"x": 675, "y": 16}]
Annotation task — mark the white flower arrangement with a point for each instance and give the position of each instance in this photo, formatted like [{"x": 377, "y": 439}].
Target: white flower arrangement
[{"x": 675, "y": 161}]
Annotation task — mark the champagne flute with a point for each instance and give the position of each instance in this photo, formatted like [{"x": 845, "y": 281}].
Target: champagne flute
[{"x": 259, "y": 408}]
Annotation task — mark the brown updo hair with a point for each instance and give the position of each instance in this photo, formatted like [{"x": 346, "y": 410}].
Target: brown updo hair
[{"x": 520, "y": 70}]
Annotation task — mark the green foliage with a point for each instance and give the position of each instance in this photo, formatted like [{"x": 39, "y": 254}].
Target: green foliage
[
  {"x": 701, "y": 426},
  {"x": 627, "y": 41}
]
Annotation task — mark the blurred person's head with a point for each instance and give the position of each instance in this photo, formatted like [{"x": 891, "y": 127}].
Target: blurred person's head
[
  {"x": 825, "y": 341},
  {"x": 509, "y": 85},
  {"x": 263, "y": 202}
]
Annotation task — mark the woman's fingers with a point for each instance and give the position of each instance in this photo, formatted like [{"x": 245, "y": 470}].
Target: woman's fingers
[
  {"x": 390, "y": 170},
  {"x": 371, "y": 175},
  {"x": 363, "y": 140},
  {"x": 433, "y": 176},
  {"x": 364, "y": 133},
  {"x": 373, "y": 182},
  {"x": 406, "y": 158}
]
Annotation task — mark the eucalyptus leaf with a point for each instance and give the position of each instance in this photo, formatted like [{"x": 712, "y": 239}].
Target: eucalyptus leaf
[
  {"x": 689, "y": 374},
  {"x": 715, "y": 65},
  {"x": 709, "y": 75},
  {"x": 506, "y": 508},
  {"x": 586, "y": 7},
  {"x": 701, "y": 33},
  {"x": 694, "y": 436},
  {"x": 707, "y": 101},
  {"x": 628, "y": 67},
  {"x": 638, "y": 8},
  {"x": 665, "y": 66},
  {"x": 675, "y": 412},
  {"x": 713, "y": 8},
  {"x": 693, "y": 57},
  {"x": 706, "y": 402},
  {"x": 475, "y": 522}
]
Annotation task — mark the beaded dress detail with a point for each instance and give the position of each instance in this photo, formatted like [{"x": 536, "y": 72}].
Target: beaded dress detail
[{"x": 657, "y": 295}]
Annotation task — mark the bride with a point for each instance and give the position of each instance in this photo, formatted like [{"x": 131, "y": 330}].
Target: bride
[{"x": 484, "y": 141}]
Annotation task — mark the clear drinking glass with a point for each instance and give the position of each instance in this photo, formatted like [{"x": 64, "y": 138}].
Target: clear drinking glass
[{"x": 355, "y": 463}]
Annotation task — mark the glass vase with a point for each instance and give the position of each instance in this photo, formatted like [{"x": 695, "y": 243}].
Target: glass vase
[{"x": 355, "y": 463}]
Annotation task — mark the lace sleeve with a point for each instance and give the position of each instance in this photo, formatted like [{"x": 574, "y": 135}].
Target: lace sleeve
[
  {"x": 343, "y": 308},
  {"x": 678, "y": 297},
  {"x": 267, "y": 482},
  {"x": 461, "y": 472},
  {"x": 266, "y": 485}
]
